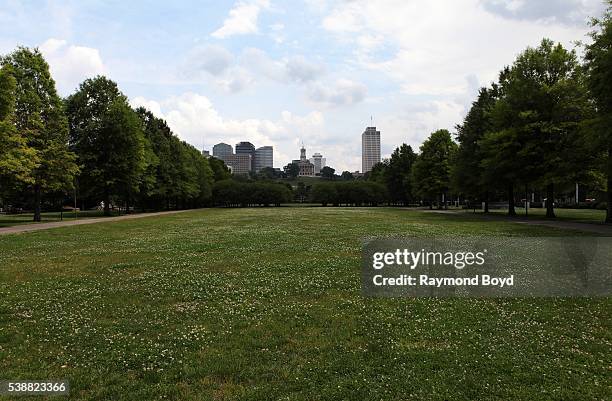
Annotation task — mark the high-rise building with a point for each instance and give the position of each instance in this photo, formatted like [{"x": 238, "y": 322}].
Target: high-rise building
[
  {"x": 240, "y": 163},
  {"x": 205, "y": 153},
  {"x": 222, "y": 151},
  {"x": 319, "y": 162},
  {"x": 264, "y": 157},
  {"x": 370, "y": 149},
  {"x": 246, "y": 148}
]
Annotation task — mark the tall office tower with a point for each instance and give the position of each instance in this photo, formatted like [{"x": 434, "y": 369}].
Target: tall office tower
[
  {"x": 247, "y": 148},
  {"x": 223, "y": 151},
  {"x": 264, "y": 157},
  {"x": 319, "y": 162},
  {"x": 205, "y": 153},
  {"x": 370, "y": 149}
]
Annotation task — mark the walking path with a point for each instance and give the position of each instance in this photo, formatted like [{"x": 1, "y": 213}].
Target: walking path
[
  {"x": 596, "y": 228},
  {"x": 44, "y": 226}
]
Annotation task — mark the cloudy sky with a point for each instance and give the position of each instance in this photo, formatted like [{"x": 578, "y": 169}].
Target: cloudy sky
[{"x": 285, "y": 72}]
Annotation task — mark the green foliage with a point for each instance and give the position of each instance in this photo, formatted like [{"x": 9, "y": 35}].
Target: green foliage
[
  {"x": 236, "y": 193},
  {"x": 40, "y": 120},
  {"x": 431, "y": 171},
  {"x": 468, "y": 176},
  {"x": 536, "y": 135},
  {"x": 398, "y": 174},
  {"x": 268, "y": 173},
  {"x": 107, "y": 136},
  {"x": 356, "y": 193},
  {"x": 17, "y": 159},
  {"x": 220, "y": 170},
  {"x": 292, "y": 170},
  {"x": 327, "y": 173},
  {"x": 347, "y": 176},
  {"x": 598, "y": 65}
]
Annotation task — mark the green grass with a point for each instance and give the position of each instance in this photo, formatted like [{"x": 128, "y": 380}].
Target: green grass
[
  {"x": 265, "y": 304},
  {"x": 8, "y": 220}
]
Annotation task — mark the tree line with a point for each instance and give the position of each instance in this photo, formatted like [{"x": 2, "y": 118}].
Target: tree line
[
  {"x": 91, "y": 145},
  {"x": 543, "y": 126}
]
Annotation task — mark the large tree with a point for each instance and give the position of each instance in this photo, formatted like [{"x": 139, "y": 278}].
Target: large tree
[
  {"x": 537, "y": 121},
  {"x": 431, "y": 171},
  {"x": 398, "y": 174},
  {"x": 17, "y": 159},
  {"x": 40, "y": 119},
  {"x": 107, "y": 136},
  {"x": 599, "y": 78},
  {"x": 467, "y": 173}
]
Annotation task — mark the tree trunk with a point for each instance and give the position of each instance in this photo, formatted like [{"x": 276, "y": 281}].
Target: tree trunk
[
  {"x": 609, "y": 197},
  {"x": 486, "y": 202},
  {"x": 37, "y": 202},
  {"x": 511, "y": 211},
  {"x": 550, "y": 199},
  {"x": 107, "y": 203}
]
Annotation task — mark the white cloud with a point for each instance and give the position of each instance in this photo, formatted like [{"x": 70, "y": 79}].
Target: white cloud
[
  {"x": 546, "y": 11},
  {"x": 443, "y": 41},
  {"x": 242, "y": 19},
  {"x": 71, "y": 64},
  {"x": 213, "y": 59},
  {"x": 293, "y": 69},
  {"x": 342, "y": 92}
]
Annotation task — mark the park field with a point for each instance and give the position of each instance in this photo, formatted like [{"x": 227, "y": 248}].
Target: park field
[{"x": 265, "y": 304}]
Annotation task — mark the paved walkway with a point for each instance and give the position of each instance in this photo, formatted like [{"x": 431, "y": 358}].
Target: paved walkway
[
  {"x": 596, "y": 228},
  {"x": 44, "y": 226}
]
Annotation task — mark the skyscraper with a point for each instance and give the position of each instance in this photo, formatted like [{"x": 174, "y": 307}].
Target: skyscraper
[
  {"x": 246, "y": 148},
  {"x": 222, "y": 151},
  {"x": 370, "y": 149},
  {"x": 264, "y": 157},
  {"x": 319, "y": 162}
]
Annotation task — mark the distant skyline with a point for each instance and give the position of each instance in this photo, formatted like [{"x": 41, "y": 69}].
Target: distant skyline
[{"x": 278, "y": 73}]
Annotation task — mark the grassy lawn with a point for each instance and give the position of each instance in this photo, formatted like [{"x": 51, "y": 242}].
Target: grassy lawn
[
  {"x": 7, "y": 220},
  {"x": 265, "y": 304}
]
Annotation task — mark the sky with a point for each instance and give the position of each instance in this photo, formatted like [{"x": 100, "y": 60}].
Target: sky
[{"x": 283, "y": 73}]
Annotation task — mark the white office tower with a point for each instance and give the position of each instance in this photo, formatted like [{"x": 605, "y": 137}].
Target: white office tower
[
  {"x": 370, "y": 149},
  {"x": 319, "y": 162}
]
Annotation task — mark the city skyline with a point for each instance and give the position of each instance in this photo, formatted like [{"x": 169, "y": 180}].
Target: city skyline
[{"x": 271, "y": 72}]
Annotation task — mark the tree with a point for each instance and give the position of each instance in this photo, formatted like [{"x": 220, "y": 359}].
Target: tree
[
  {"x": 17, "y": 159},
  {"x": 539, "y": 112},
  {"x": 108, "y": 138},
  {"x": 220, "y": 170},
  {"x": 598, "y": 65},
  {"x": 327, "y": 173},
  {"x": 398, "y": 174},
  {"x": 40, "y": 120},
  {"x": 378, "y": 172},
  {"x": 468, "y": 176},
  {"x": 267, "y": 173},
  {"x": 431, "y": 173},
  {"x": 347, "y": 176},
  {"x": 324, "y": 193},
  {"x": 302, "y": 191},
  {"x": 292, "y": 170}
]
